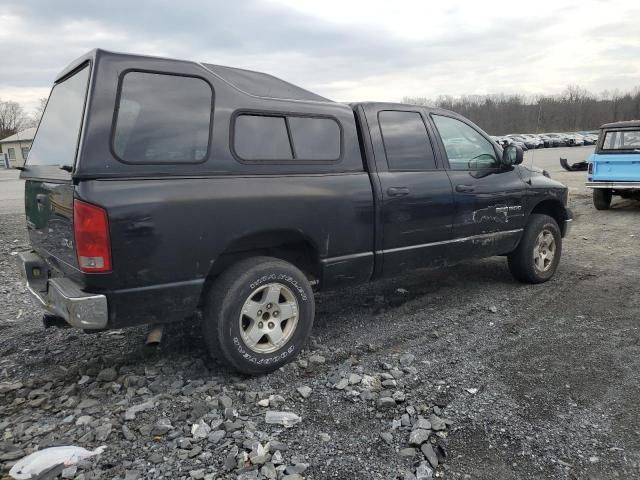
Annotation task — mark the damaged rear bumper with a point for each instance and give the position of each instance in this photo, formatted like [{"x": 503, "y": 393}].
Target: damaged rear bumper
[{"x": 62, "y": 296}]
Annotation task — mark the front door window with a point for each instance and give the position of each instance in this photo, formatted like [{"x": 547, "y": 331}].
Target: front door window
[{"x": 466, "y": 148}]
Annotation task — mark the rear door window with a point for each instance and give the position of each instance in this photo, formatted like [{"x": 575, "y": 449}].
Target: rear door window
[
  {"x": 56, "y": 140},
  {"x": 406, "y": 141},
  {"x": 162, "y": 119}
]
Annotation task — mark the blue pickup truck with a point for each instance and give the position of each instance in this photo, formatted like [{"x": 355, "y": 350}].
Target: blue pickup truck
[{"x": 614, "y": 167}]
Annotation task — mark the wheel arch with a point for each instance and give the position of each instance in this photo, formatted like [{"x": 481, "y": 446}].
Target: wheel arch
[
  {"x": 553, "y": 208},
  {"x": 289, "y": 245}
]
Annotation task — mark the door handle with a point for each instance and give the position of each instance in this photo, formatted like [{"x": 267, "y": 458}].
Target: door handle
[
  {"x": 42, "y": 198},
  {"x": 465, "y": 188},
  {"x": 398, "y": 191}
]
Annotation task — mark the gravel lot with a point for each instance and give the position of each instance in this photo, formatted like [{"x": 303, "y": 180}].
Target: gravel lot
[{"x": 461, "y": 369}]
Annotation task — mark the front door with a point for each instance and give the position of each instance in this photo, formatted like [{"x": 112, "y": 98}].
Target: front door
[
  {"x": 489, "y": 197},
  {"x": 417, "y": 202}
]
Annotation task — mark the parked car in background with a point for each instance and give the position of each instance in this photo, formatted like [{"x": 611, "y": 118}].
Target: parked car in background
[
  {"x": 148, "y": 202},
  {"x": 549, "y": 142},
  {"x": 537, "y": 141},
  {"x": 589, "y": 139},
  {"x": 561, "y": 139},
  {"x": 527, "y": 142},
  {"x": 578, "y": 140},
  {"x": 511, "y": 141},
  {"x": 614, "y": 167}
]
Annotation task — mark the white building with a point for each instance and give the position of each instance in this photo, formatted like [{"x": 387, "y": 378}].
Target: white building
[{"x": 16, "y": 147}]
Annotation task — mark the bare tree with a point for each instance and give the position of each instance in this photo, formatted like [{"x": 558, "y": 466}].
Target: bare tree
[
  {"x": 12, "y": 118},
  {"x": 37, "y": 114}
]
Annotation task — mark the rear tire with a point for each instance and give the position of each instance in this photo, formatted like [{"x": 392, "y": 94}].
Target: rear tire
[
  {"x": 602, "y": 198},
  {"x": 536, "y": 258},
  {"x": 258, "y": 315}
]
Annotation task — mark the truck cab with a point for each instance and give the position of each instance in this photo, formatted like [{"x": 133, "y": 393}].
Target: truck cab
[{"x": 614, "y": 167}]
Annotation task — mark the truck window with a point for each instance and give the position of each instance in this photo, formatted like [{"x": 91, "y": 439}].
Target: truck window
[
  {"x": 56, "y": 140},
  {"x": 260, "y": 137},
  {"x": 466, "y": 148},
  {"x": 406, "y": 141},
  {"x": 315, "y": 138},
  {"x": 162, "y": 118},
  {"x": 286, "y": 138},
  {"x": 621, "y": 140}
]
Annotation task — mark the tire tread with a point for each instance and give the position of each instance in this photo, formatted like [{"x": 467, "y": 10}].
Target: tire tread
[{"x": 520, "y": 260}]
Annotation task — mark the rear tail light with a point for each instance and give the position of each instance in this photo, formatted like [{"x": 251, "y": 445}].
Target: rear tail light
[
  {"x": 91, "y": 232},
  {"x": 590, "y": 170}
]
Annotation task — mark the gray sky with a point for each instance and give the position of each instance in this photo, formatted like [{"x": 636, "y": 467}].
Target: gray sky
[{"x": 345, "y": 50}]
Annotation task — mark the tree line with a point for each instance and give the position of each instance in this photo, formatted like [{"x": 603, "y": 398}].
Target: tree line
[
  {"x": 13, "y": 118},
  {"x": 575, "y": 109}
]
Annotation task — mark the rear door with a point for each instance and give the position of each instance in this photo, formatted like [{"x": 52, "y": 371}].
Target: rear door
[
  {"x": 489, "y": 197},
  {"x": 417, "y": 202},
  {"x": 49, "y": 189}
]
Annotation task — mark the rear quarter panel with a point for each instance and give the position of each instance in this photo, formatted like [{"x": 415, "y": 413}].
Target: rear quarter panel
[{"x": 173, "y": 229}]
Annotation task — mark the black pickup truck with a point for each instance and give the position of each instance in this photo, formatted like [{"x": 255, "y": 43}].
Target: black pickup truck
[{"x": 159, "y": 189}]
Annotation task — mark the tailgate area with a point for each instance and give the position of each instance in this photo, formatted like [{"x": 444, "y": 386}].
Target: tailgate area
[{"x": 62, "y": 296}]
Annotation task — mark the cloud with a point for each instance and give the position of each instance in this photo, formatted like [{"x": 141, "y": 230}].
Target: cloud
[{"x": 343, "y": 50}]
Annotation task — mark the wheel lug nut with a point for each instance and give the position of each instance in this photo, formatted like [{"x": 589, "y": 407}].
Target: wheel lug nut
[
  {"x": 259, "y": 312},
  {"x": 260, "y": 325},
  {"x": 276, "y": 313},
  {"x": 271, "y": 325},
  {"x": 269, "y": 306}
]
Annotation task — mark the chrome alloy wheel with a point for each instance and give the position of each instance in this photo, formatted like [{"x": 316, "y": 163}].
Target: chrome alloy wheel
[
  {"x": 544, "y": 250},
  {"x": 268, "y": 318}
]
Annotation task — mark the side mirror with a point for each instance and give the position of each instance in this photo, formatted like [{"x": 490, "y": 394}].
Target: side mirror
[{"x": 512, "y": 155}]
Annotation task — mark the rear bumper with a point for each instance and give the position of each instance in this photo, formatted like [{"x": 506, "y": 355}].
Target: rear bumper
[
  {"x": 62, "y": 296},
  {"x": 614, "y": 185}
]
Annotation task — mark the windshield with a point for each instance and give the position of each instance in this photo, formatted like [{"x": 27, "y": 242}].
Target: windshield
[
  {"x": 56, "y": 140},
  {"x": 621, "y": 140}
]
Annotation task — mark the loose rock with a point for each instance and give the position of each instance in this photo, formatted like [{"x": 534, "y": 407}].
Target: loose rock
[
  {"x": 304, "y": 391},
  {"x": 430, "y": 455},
  {"x": 386, "y": 403},
  {"x": 419, "y": 436}
]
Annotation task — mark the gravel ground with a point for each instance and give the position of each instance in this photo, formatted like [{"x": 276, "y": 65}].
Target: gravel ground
[{"x": 459, "y": 373}]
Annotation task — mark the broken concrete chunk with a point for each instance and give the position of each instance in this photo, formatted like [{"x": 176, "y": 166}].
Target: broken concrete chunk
[
  {"x": 287, "y": 419},
  {"x": 131, "y": 412},
  {"x": 200, "y": 430}
]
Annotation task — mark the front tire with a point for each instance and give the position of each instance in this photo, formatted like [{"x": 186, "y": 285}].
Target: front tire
[
  {"x": 602, "y": 198},
  {"x": 258, "y": 315},
  {"x": 536, "y": 258}
]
